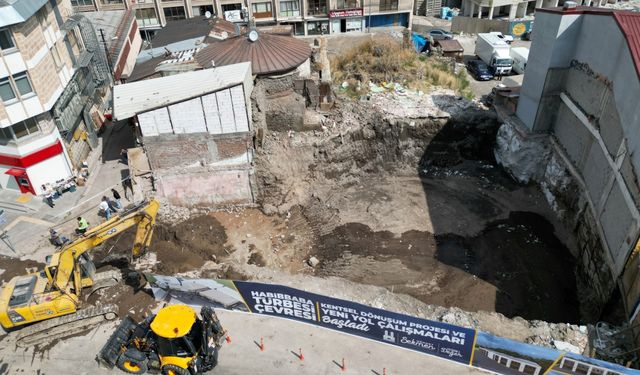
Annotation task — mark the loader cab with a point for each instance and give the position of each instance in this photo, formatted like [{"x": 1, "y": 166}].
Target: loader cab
[{"x": 179, "y": 337}]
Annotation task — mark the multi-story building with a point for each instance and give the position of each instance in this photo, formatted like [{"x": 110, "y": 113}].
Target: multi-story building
[
  {"x": 36, "y": 64},
  {"x": 578, "y": 109},
  {"x": 308, "y": 17}
]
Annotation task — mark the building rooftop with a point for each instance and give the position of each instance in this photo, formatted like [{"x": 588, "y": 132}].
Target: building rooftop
[
  {"x": 191, "y": 28},
  {"x": 629, "y": 23},
  {"x": 133, "y": 98},
  {"x": 269, "y": 54},
  {"x": 113, "y": 24},
  {"x": 18, "y": 11}
]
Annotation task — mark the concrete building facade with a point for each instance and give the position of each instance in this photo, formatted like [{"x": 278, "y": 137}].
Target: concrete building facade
[
  {"x": 308, "y": 17},
  {"x": 581, "y": 88},
  {"x": 36, "y": 64}
]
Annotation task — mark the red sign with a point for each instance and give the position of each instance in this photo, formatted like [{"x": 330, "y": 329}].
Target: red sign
[{"x": 357, "y": 12}]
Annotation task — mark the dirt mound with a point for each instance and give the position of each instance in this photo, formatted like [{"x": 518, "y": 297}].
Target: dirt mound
[
  {"x": 130, "y": 301},
  {"x": 179, "y": 248},
  {"x": 12, "y": 267},
  {"x": 515, "y": 266}
]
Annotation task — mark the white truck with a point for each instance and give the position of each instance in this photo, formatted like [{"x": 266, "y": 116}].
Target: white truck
[
  {"x": 520, "y": 55},
  {"x": 494, "y": 52}
]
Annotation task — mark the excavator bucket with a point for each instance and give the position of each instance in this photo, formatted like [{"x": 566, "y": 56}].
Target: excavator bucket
[{"x": 117, "y": 343}]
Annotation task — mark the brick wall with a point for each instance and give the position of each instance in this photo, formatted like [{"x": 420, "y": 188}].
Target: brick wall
[
  {"x": 206, "y": 187},
  {"x": 45, "y": 79},
  {"x": 29, "y": 38},
  {"x": 174, "y": 150}
]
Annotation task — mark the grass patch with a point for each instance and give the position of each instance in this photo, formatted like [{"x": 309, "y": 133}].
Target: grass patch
[{"x": 385, "y": 60}]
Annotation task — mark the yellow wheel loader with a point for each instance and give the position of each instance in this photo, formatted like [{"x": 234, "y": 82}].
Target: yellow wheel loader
[
  {"x": 175, "y": 341},
  {"x": 53, "y": 296}
]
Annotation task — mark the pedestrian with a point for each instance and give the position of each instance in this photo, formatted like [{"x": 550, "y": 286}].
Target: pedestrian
[
  {"x": 126, "y": 184},
  {"x": 116, "y": 196},
  {"x": 112, "y": 205},
  {"x": 123, "y": 156},
  {"x": 83, "y": 225},
  {"x": 103, "y": 208},
  {"x": 48, "y": 198},
  {"x": 56, "y": 238}
]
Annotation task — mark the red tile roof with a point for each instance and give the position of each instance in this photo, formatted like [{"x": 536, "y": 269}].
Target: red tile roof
[{"x": 629, "y": 23}]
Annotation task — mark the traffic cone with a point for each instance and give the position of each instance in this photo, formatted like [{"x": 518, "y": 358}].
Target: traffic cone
[
  {"x": 344, "y": 365},
  {"x": 228, "y": 339},
  {"x": 301, "y": 356},
  {"x": 261, "y": 344}
]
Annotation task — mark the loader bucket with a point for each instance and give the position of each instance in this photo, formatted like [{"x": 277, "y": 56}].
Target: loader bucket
[{"x": 110, "y": 352}]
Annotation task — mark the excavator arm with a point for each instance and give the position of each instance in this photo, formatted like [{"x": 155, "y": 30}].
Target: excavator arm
[{"x": 67, "y": 262}]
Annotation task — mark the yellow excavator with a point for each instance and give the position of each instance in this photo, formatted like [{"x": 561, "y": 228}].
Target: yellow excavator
[{"x": 53, "y": 296}]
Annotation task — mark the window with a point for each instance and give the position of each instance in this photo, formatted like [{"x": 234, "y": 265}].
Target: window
[
  {"x": 202, "y": 9},
  {"x": 74, "y": 42},
  {"x": 19, "y": 84},
  {"x": 111, "y": 2},
  {"x": 388, "y": 5},
  {"x": 261, "y": 9},
  {"x": 19, "y": 130},
  {"x": 318, "y": 27},
  {"x": 289, "y": 9},
  {"x": 56, "y": 56},
  {"x": 174, "y": 13},
  {"x": 81, "y": 3},
  {"x": 22, "y": 83},
  {"x": 146, "y": 17},
  {"x": 229, "y": 7},
  {"x": 317, "y": 7},
  {"x": 6, "y": 91},
  {"x": 6, "y": 41}
]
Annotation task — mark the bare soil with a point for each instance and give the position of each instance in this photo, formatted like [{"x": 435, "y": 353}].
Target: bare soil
[
  {"x": 184, "y": 247},
  {"x": 12, "y": 267}
]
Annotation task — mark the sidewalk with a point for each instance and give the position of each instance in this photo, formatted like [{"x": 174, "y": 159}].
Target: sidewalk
[{"x": 28, "y": 218}]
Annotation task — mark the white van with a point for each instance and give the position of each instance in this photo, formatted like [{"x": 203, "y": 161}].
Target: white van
[{"x": 520, "y": 55}]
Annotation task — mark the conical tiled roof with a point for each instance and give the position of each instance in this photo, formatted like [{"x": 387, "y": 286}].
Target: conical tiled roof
[{"x": 269, "y": 54}]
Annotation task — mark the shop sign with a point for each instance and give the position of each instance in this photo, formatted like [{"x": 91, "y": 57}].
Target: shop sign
[{"x": 341, "y": 13}]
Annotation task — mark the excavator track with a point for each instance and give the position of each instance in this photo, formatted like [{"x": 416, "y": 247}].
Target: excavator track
[{"x": 65, "y": 326}]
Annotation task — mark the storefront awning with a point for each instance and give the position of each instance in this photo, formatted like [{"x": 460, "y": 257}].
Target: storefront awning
[{"x": 16, "y": 172}]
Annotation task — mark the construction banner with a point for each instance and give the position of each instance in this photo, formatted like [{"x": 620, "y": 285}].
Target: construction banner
[
  {"x": 439, "y": 339},
  {"x": 463, "y": 345}
]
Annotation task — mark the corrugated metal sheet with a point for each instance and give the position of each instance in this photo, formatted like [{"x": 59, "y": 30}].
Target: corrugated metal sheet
[
  {"x": 18, "y": 11},
  {"x": 133, "y": 98},
  {"x": 269, "y": 54},
  {"x": 630, "y": 25}
]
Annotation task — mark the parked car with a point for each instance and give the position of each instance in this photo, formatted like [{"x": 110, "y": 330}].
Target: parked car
[
  {"x": 479, "y": 70},
  {"x": 439, "y": 34},
  {"x": 506, "y": 38}
]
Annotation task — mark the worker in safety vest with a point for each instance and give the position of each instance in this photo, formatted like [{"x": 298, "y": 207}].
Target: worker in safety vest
[{"x": 82, "y": 225}]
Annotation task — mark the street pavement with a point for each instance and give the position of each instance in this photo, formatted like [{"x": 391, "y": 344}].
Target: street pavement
[
  {"x": 27, "y": 218},
  {"x": 323, "y": 351}
]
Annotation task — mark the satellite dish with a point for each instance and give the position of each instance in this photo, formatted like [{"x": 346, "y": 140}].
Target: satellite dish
[
  {"x": 207, "y": 14},
  {"x": 253, "y": 35}
]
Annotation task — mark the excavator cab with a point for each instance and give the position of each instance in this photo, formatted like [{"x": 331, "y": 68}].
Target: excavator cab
[{"x": 175, "y": 341}]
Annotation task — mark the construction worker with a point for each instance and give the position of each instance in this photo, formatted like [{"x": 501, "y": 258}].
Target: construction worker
[{"x": 82, "y": 225}]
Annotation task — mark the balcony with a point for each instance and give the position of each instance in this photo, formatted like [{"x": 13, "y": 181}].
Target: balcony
[{"x": 347, "y": 4}]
